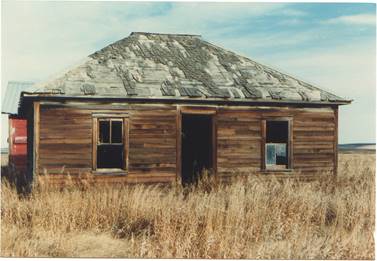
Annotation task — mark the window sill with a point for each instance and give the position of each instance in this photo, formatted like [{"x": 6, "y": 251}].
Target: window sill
[
  {"x": 276, "y": 170},
  {"x": 110, "y": 172}
]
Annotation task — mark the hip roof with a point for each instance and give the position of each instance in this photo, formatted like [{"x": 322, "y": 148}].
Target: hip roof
[{"x": 176, "y": 66}]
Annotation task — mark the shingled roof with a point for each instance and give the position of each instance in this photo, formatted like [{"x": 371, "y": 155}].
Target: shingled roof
[{"x": 177, "y": 66}]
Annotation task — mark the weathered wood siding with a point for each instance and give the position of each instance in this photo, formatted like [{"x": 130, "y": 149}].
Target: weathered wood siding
[
  {"x": 65, "y": 144},
  {"x": 238, "y": 142},
  {"x": 65, "y": 140},
  {"x": 239, "y": 139},
  {"x": 152, "y": 138},
  {"x": 314, "y": 136}
]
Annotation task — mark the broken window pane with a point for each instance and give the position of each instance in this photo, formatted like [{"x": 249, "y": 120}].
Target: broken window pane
[
  {"x": 104, "y": 131},
  {"x": 270, "y": 154},
  {"x": 281, "y": 153},
  {"x": 116, "y": 132},
  {"x": 277, "y": 143}
]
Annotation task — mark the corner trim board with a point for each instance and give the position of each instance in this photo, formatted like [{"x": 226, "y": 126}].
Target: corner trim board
[
  {"x": 36, "y": 116},
  {"x": 336, "y": 111}
]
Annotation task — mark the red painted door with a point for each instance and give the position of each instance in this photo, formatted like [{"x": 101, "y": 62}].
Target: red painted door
[{"x": 17, "y": 143}]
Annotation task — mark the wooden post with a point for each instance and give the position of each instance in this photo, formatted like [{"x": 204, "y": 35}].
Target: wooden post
[
  {"x": 263, "y": 144},
  {"x": 336, "y": 141},
  {"x": 214, "y": 143},
  {"x": 36, "y": 110},
  {"x": 126, "y": 141},
  {"x": 178, "y": 142},
  {"x": 94, "y": 143},
  {"x": 290, "y": 144}
]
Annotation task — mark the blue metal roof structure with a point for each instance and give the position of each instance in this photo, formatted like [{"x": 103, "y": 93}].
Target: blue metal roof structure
[{"x": 12, "y": 96}]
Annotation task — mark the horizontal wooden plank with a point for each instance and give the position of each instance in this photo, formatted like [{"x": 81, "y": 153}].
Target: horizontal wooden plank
[
  {"x": 58, "y": 126},
  {"x": 64, "y": 161},
  {"x": 297, "y": 133},
  {"x": 161, "y": 145},
  {"x": 153, "y": 151},
  {"x": 239, "y": 151},
  {"x": 151, "y": 139},
  {"x": 234, "y": 120},
  {"x": 312, "y": 151},
  {"x": 146, "y": 118},
  {"x": 152, "y": 111},
  {"x": 151, "y": 160},
  {"x": 65, "y": 141},
  {"x": 59, "y": 165},
  {"x": 66, "y": 120},
  {"x": 232, "y": 132},
  {"x": 153, "y": 132},
  {"x": 315, "y": 128},
  {"x": 313, "y": 138},
  {"x": 65, "y": 147},
  {"x": 56, "y": 156},
  {"x": 61, "y": 170},
  {"x": 239, "y": 137},
  {"x": 151, "y": 126},
  {"x": 153, "y": 165},
  {"x": 311, "y": 145}
]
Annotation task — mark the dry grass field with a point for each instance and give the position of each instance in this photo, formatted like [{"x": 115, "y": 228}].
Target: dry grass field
[{"x": 252, "y": 219}]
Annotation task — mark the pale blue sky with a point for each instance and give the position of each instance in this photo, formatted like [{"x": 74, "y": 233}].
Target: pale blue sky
[{"x": 329, "y": 45}]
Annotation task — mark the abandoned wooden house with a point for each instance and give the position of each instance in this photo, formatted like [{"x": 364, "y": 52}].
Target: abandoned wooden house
[{"x": 157, "y": 107}]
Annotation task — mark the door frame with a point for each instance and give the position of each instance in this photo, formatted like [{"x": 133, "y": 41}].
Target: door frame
[{"x": 198, "y": 110}]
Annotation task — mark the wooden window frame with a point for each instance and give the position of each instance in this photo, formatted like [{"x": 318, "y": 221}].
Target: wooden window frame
[
  {"x": 198, "y": 110},
  {"x": 290, "y": 143},
  {"x": 95, "y": 142}
]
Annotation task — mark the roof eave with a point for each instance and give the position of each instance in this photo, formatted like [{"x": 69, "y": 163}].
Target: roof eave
[{"x": 184, "y": 99}]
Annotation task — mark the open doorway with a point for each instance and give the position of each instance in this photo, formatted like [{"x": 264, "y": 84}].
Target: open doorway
[{"x": 197, "y": 141}]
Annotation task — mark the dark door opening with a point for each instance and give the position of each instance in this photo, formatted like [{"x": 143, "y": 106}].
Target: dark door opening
[{"x": 196, "y": 146}]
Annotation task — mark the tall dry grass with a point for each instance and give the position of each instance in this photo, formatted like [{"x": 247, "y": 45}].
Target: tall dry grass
[{"x": 247, "y": 219}]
